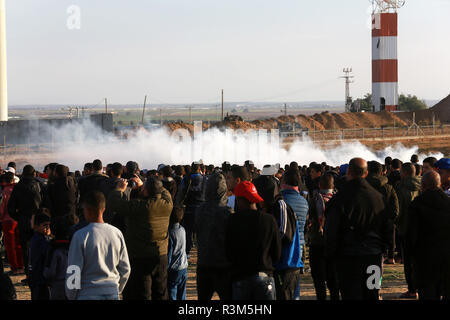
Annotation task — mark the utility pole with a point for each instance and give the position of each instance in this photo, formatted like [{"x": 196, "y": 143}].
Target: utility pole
[
  {"x": 106, "y": 105},
  {"x": 222, "y": 104},
  {"x": 190, "y": 114},
  {"x": 160, "y": 117},
  {"x": 143, "y": 109},
  {"x": 347, "y": 77}
]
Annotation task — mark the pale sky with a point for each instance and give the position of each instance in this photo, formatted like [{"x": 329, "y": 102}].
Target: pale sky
[{"x": 182, "y": 51}]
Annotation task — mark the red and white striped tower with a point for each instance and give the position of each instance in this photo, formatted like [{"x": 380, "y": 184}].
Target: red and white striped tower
[{"x": 384, "y": 54}]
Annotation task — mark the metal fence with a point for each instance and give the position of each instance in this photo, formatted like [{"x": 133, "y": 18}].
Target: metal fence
[
  {"x": 318, "y": 135},
  {"x": 371, "y": 133}
]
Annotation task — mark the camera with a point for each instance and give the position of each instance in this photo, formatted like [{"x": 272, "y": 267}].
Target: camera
[{"x": 131, "y": 183}]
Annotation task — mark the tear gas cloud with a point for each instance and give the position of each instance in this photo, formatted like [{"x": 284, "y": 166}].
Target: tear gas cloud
[{"x": 75, "y": 144}]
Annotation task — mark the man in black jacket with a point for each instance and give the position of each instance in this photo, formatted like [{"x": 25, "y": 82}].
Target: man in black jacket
[
  {"x": 380, "y": 183},
  {"x": 92, "y": 182},
  {"x": 62, "y": 193},
  {"x": 394, "y": 175},
  {"x": 428, "y": 238},
  {"x": 109, "y": 185},
  {"x": 213, "y": 267},
  {"x": 253, "y": 246},
  {"x": 357, "y": 232},
  {"x": 25, "y": 201},
  {"x": 192, "y": 195}
]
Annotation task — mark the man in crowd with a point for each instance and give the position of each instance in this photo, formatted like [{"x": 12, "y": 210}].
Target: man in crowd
[
  {"x": 414, "y": 159},
  {"x": 93, "y": 181},
  {"x": 407, "y": 190},
  {"x": 316, "y": 171},
  {"x": 443, "y": 167},
  {"x": 287, "y": 269},
  {"x": 235, "y": 176},
  {"x": 192, "y": 195},
  {"x": 290, "y": 190},
  {"x": 355, "y": 233},
  {"x": 380, "y": 183},
  {"x": 109, "y": 185},
  {"x": 62, "y": 193},
  {"x": 428, "y": 235},
  {"x": 428, "y": 164},
  {"x": 394, "y": 176},
  {"x": 213, "y": 267},
  {"x": 24, "y": 203},
  {"x": 169, "y": 183},
  {"x": 97, "y": 255},
  {"x": 323, "y": 268},
  {"x": 147, "y": 237},
  {"x": 253, "y": 246}
]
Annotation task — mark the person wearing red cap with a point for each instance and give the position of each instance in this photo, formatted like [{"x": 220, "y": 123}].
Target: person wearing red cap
[{"x": 253, "y": 246}]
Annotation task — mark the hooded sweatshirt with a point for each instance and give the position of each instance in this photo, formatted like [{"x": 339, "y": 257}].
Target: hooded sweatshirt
[
  {"x": 407, "y": 190},
  {"x": 380, "y": 183},
  {"x": 210, "y": 223}
]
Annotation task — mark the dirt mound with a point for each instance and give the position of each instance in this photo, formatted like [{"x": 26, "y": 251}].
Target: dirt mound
[
  {"x": 336, "y": 121},
  {"x": 442, "y": 110},
  {"x": 235, "y": 125},
  {"x": 180, "y": 125}
]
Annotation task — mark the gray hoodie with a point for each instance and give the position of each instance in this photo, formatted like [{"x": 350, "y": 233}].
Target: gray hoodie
[{"x": 99, "y": 251}]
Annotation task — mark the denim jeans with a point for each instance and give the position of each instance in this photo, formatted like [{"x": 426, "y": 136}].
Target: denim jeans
[
  {"x": 176, "y": 284},
  {"x": 100, "y": 297},
  {"x": 256, "y": 287}
]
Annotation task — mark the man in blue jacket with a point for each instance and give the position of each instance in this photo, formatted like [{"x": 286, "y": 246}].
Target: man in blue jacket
[
  {"x": 287, "y": 269},
  {"x": 291, "y": 194}
]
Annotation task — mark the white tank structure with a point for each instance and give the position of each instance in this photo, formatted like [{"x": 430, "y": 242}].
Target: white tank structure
[
  {"x": 3, "y": 65},
  {"x": 384, "y": 54}
]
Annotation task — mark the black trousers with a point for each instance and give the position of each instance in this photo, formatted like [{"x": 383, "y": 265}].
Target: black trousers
[
  {"x": 40, "y": 292},
  {"x": 409, "y": 267},
  {"x": 353, "y": 276},
  {"x": 392, "y": 240},
  {"x": 148, "y": 279},
  {"x": 433, "y": 275},
  {"x": 323, "y": 272},
  {"x": 188, "y": 223},
  {"x": 210, "y": 280},
  {"x": 286, "y": 282},
  {"x": 25, "y": 235}
]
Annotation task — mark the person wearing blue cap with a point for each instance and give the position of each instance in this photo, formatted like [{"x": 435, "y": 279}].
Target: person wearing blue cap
[{"x": 443, "y": 167}]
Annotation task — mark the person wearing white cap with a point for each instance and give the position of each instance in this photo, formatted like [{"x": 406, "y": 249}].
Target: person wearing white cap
[{"x": 13, "y": 171}]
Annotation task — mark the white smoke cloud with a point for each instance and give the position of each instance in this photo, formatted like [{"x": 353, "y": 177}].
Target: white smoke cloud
[{"x": 75, "y": 144}]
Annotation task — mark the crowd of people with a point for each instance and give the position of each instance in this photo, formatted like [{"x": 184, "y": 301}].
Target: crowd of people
[{"x": 118, "y": 232}]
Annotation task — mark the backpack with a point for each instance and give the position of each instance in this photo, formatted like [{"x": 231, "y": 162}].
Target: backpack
[
  {"x": 7, "y": 290},
  {"x": 287, "y": 221}
]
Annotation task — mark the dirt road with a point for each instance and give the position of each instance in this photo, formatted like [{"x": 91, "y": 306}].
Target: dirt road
[{"x": 393, "y": 283}]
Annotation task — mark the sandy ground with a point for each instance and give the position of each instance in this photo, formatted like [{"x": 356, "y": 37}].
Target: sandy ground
[{"x": 392, "y": 287}]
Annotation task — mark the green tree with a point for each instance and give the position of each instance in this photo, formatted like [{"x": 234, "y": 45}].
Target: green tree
[
  {"x": 410, "y": 103},
  {"x": 365, "y": 104}
]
